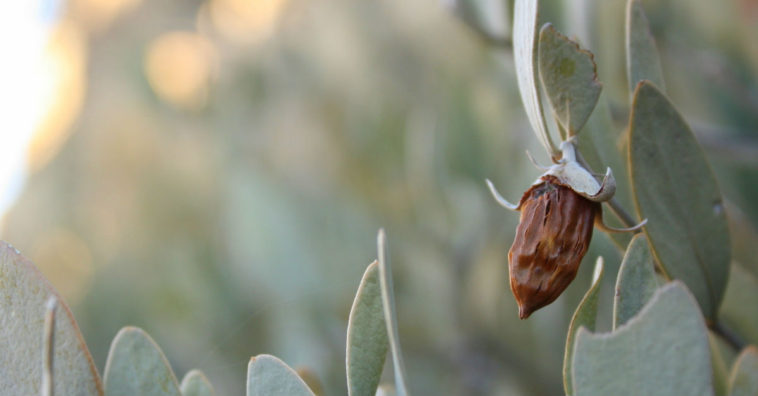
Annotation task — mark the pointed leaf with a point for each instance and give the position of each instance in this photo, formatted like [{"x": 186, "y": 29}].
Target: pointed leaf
[
  {"x": 137, "y": 366},
  {"x": 743, "y": 380},
  {"x": 269, "y": 376},
  {"x": 739, "y": 309},
  {"x": 661, "y": 351},
  {"x": 196, "y": 384},
  {"x": 390, "y": 317},
  {"x": 525, "y": 56},
  {"x": 584, "y": 316},
  {"x": 674, "y": 188},
  {"x": 569, "y": 76},
  {"x": 367, "y": 342},
  {"x": 636, "y": 282},
  {"x": 642, "y": 60},
  {"x": 23, "y": 296}
]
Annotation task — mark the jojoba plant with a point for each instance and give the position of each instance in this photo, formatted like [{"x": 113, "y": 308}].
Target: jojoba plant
[{"x": 667, "y": 333}]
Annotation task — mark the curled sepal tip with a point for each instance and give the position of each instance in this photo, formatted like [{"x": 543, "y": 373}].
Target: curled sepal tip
[
  {"x": 499, "y": 198},
  {"x": 604, "y": 227}
]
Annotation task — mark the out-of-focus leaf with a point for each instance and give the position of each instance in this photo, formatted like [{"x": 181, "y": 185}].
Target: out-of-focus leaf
[
  {"x": 195, "y": 383},
  {"x": 584, "y": 316},
  {"x": 367, "y": 341},
  {"x": 636, "y": 282},
  {"x": 570, "y": 79},
  {"x": 743, "y": 380},
  {"x": 525, "y": 56},
  {"x": 390, "y": 317},
  {"x": 674, "y": 188},
  {"x": 269, "y": 376},
  {"x": 23, "y": 296},
  {"x": 136, "y": 366},
  {"x": 642, "y": 60},
  {"x": 720, "y": 372},
  {"x": 661, "y": 351},
  {"x": 739, "y": 309}
]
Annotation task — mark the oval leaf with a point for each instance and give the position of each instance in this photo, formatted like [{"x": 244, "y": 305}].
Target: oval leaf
[
  {"x": 674, "y": 188},
  {"x": 367, "y": 342},
  {"x": 636, "y": 282},
  {"x": 23, "y": 296},
  {"x": 642, "y": 60},
  {"x": 662, "y": 351},
  {"x": 743, "y": 380},
  {"x": 569, "y": 76},
  {"x": 269, "y": 376},
  {"x": 525, "y": 56},
  {"x": 196, "y": 384},
  {"x": 390, "y": 317},
  {"x": 584, "y": 316},
  {"x": 136, "y": 366}
]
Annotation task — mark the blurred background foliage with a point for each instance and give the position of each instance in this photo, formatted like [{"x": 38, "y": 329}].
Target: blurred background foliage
[{"x": 215, "y": 173}]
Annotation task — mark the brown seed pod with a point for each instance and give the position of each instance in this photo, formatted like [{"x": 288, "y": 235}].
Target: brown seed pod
[
  {"x": 553, "y": 235},
  {"x": 557, "y": 217}
]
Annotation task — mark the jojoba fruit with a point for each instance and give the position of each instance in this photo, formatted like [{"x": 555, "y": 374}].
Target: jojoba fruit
[{"x": 553, "y": 234}]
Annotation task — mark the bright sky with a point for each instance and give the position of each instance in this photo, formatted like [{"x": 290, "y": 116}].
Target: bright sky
[{"x": 27, "y": 90}]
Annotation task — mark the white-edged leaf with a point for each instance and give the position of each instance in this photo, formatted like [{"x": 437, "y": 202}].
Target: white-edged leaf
[
  {"x": 24, "y": 292},
  {"x": 195, "y": 383},
  {"x": 137, "y": 366},
  {"x": 569, "y": 75},
  {"x": 662, "y": 351},
  {"x": 367, "y": 341},
  {"x": 525, "y": 55},
  {"x": 675, "y": 189},
  {"x": 584, "y": 316},
  {"x": 636, "y": 282},
  {"x": 743, "y": 381},
  {"x": 268, "y": 376}
]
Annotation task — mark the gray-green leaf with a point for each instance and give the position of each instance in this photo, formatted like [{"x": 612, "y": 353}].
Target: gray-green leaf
[
  {"x": 743, "y": 380},
  {"x": 269, "y": 376},
  {"x": 636, "y": 281},
  {"x": 674, "y": 188},
  {"x": 661, "y": 351},
  {"x": 137, "y": 366},
  {"x": 642, "y": 60},
  {"x": 525, "y": 57},
  {"x": 584, "y": 316},
  {"x": 23, "y": 294},
  {"x": 569, "y": 76},
  {"x": 196, "y": 384},
  {"x": 367, "y": 341}
]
